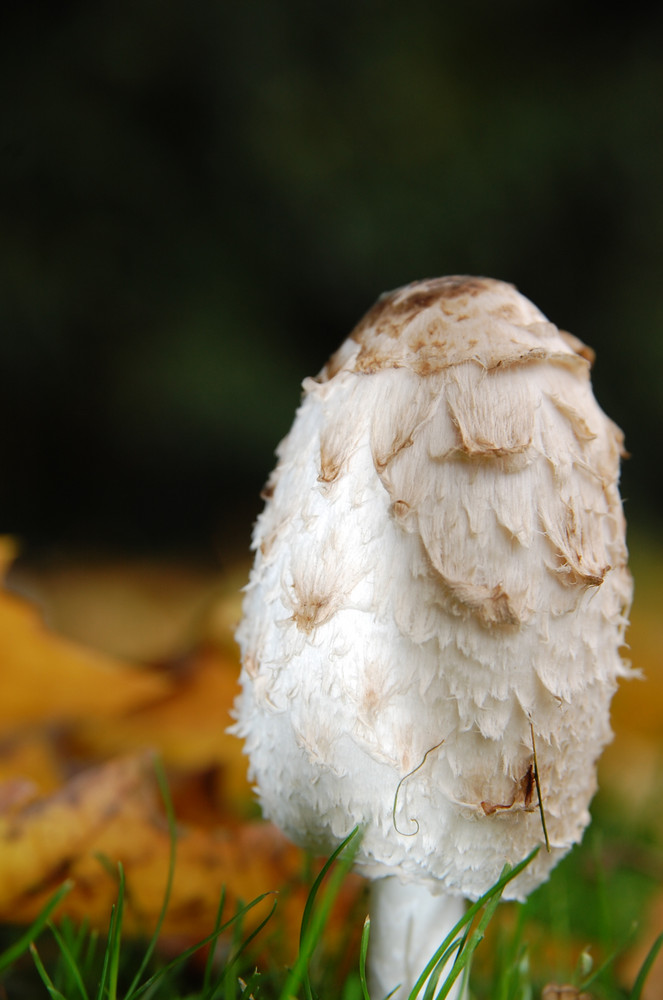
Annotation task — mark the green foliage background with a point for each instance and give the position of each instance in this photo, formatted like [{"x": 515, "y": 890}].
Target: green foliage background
[{"x": 198, "y": 201}]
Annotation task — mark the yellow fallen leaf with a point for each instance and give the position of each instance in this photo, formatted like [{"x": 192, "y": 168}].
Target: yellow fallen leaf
[
  {"x": 136, "y": 609},
  {"x": 45, "y": 677},
  {"x": 30, "y": 756},
  {"x": 188, "y": 727},
  {"x": 113, "y": 812}
]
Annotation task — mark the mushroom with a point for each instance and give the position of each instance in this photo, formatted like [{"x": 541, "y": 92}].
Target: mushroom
[{"x": 436, "y": 607}]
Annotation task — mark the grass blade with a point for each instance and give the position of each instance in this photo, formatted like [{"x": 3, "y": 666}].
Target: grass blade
[
  {"x": 363, "y": 951},
  {"x": 232, "y": 962},
  {"x": 69, "y": 961},
  {"x": 15, "y": 950},
  {"x": 113, "y": 939},
  {"x": 434, "y": 978},
  {"x": 310, "y": 902},
  {"x": 636, "y": 992},
  {"x": 162, "y": 782},
  {"x": 45, "y": 978},
  {"x": 596, "y": 973},
  {"x": 313, "y": 920},
  {"x": 464, "y": 957},
  {"x": 210, "y": 939},
  {"x": 507, "y": 876},
  {"x": 209, "y": 962},
  {"x": 510, "y": 957}
]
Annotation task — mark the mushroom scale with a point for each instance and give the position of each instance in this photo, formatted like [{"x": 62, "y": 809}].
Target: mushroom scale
[{"x": 440, "y": 578}]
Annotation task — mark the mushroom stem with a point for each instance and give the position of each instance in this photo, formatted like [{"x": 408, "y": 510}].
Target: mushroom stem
[{"x": 408, "y": 924}]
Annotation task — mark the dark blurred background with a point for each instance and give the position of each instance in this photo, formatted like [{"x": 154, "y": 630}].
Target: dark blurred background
[{"x": 198, "y": 201}]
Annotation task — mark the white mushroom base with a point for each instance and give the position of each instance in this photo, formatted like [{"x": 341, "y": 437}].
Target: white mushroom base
[{"x": 408, "y": 925}]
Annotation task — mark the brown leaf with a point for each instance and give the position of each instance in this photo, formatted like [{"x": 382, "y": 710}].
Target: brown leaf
[
  {"x": 45, "y": 677},
  {"x": 30, "y": 757},
  {"x": 188, "y": 726},
  {"x": 113, "y": 812},
  {"x": 64, "y": 708},
  {"x": 136, "y": 609}
]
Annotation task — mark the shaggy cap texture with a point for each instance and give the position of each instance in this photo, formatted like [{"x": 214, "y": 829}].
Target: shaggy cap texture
[{"x": 440, "y": 571}]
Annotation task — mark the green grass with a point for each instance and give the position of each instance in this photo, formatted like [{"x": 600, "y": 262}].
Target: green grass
[{"x": 572, "y": 930}]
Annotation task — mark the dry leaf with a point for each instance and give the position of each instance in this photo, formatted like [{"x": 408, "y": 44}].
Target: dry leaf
[
  {"x": 142, "y": 610},
  {"x": 113, "y": 812},
  {"x": 44, "y": 677},
  {"x": 188, "y": 727},
  {"x": 31, "y": 757},
  {"x": 76, "y": 708}
]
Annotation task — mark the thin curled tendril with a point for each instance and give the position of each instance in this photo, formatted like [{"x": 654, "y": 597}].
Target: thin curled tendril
[
  {"x": 537, "y": 782},
  {"x": 398, "y": 788}
]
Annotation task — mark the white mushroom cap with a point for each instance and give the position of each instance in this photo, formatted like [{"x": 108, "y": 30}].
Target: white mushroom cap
[{"x": 440, "y": 573}]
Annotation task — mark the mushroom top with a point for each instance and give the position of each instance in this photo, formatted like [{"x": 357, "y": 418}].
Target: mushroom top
[
  {"x": 429, "y": 325},
  {"x": 440, "y": 578}
]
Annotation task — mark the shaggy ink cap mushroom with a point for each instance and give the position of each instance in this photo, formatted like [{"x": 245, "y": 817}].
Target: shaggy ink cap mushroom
[{"x": 440, "y": 579}]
